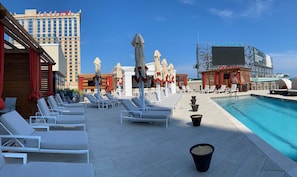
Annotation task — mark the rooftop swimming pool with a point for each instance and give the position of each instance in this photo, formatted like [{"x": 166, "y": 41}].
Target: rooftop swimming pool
[{"x": 274, "y": 120}]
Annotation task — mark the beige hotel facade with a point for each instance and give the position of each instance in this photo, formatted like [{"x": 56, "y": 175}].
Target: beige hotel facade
[{"x": 61, "y": 28}]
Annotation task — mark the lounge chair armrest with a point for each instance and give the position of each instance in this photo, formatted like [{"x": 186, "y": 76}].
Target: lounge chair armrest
[
  {"x": 19, "y": 142},
  {"x": 125, "y": 113},
  {"x": 54, "y": 111},
  {"x": 37, "y": 120},
  {"x": 16, "y": 155}
]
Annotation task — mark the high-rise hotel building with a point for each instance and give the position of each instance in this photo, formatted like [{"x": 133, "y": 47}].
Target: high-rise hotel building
[{"x": 57, "y": 27}]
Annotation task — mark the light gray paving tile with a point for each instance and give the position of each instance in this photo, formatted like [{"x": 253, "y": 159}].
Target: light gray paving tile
[{"x": 266, "y": 173}]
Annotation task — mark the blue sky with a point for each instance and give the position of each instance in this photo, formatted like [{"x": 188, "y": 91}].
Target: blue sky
[{"x": 175, "y": 26}]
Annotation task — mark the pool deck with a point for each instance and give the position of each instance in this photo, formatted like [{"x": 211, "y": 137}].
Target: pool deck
[{"x": 144, "y": 149}]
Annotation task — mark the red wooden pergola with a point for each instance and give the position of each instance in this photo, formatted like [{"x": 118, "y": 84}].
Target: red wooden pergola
[{"x": 18, "y": 46}]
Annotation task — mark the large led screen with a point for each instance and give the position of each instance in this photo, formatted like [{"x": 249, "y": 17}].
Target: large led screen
[
  {"x": 259, "y": 58},
  {"x": 227, "y": 55}
]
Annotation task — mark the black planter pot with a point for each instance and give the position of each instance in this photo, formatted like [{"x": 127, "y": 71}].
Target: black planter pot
[
  {"x": 195, "y": 107},
  {"x": 196, "y": 119},
  {"x": 193, "y": 101},
  {"x": 202, "y": 154}
]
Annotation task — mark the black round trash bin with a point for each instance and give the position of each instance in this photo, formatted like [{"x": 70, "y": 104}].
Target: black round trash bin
[
  {"x": 202, "y": 154},
  {"x": 195, "y": 107},
  {"x": 196, "y": 119}
]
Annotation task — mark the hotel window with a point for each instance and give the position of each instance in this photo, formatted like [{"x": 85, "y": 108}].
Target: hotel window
[
  {"x": 75, "y": 27},
  {"x": 60, "y": 27},
  {"x": 30, "y": 26},
  {"x": 38, "y": 28},
  {"x": 43, "y": 27},
  {"x": 49, "y": 25},
  {"x": 66, "y": 27},
  {"x": 69, "y": 27}
]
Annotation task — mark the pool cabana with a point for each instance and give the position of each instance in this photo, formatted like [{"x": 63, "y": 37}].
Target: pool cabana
[{"x": 25, "y": 67}]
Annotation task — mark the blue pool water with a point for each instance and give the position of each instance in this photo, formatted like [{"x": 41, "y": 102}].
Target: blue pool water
[{"x": 274, "y": 120}]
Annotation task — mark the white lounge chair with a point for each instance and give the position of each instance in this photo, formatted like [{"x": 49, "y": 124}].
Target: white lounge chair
[
  {"x": 115, "y": 100},
  {"x": 44, "y": 169},
  {"x": 22, "y": 137},
  {"x": 188, "y": 89},
  {"x": 65, "y": 104},
  {"x": 150, "y": 107},
  {"x": 184, "y": 89},
  {"x": 222, "y": 89},
  {"x": 212, "y": 89},
  {"x": 134, "y": 114},
  {"x": 63, "y": 110},
  {"x": 206, "y": 89},
  {"x": 100, "y": 104},
  {"x": 10, "y": 105},
  {"x": 109, "y": 102},
  {"x": 233, "y": 88},
  {"x": 47, "y": 118}
]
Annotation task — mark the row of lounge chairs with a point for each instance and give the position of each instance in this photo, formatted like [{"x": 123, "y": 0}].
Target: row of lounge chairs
[
  {"x": 53, "y": 118},
  {"x": 19, "y": 137},
  {"x": 222, "y": 89}
]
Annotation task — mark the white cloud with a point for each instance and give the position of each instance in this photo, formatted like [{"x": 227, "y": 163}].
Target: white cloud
[
  {"x": 188, "y": 2},
  {"x": 258, "y": 8},
  {"x": 247, "y": 8},
  {"x": 221, "y": 13}
]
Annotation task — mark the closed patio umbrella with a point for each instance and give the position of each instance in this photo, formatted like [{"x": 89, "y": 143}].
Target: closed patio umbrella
[
  {"x": 97, "y": 63},
  {"x": 158, "y": 74},
  {"x": 171, "y": 76},
  {"x": 140, "y": 68},
  {"x": 119, "y": 76},
  {"x": 165, "y": 74}
]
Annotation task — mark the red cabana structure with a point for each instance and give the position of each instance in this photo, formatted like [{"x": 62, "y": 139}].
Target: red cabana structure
[
  {"x": 227, "y": 75},
  {"x": 22, "y": 64}
]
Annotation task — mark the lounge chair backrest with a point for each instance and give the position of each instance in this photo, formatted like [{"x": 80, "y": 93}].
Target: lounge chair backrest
[
  {"x": 136, "y": 101},
  {"x": 43, "y": 108},
  {"x": 58, "y": 98},
  {"x": 16, "y": 124},
  {"x": 92, "y": 98},
  {"x": 109, "y": 96},
  {"x": 130, "y": 107},
  {"x": 52, "y": 102}
]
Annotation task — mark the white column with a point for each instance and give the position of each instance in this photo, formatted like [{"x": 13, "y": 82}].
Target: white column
[{"x": 127, "y": 84}]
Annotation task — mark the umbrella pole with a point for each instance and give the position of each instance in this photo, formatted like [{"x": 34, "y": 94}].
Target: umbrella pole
[
  {"x": 98, "y": 88},
  {"x": 158, "y": 91},
  {"x": 120, "y": 92},
  {"x": 142, "y": 93},
  {"x": 166, "y": 89}
]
